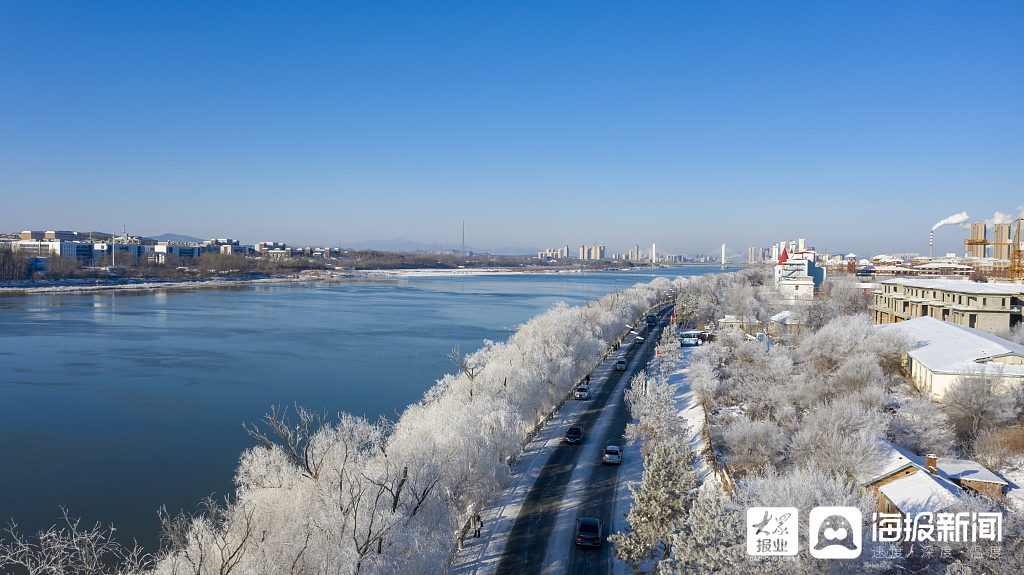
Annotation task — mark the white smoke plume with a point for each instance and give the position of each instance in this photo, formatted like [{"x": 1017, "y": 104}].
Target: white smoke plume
[
  {"x": 955, "y": 219},
  {"x": 1001, "y": 218}
]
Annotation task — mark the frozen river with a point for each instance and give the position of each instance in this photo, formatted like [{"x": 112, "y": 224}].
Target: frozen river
[{"x": 115, "y": 403}]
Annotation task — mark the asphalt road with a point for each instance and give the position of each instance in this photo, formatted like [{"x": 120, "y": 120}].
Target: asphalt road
[{"x": 528, "y": 540}]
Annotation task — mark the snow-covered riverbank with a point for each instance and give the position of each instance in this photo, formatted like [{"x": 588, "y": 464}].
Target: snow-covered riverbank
[{"x": 31, "y": 287}]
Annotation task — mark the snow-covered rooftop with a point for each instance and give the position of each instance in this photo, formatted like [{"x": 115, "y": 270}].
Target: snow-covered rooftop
[
  {"x": 962, "y": 469},
  {"x": 788, "y": 317},
  {"x": 894, "y": 459},
  {"x": 961, "y": 285},
  {"x": 948, "y": 348},
  {"x": 919, "y": 492}
]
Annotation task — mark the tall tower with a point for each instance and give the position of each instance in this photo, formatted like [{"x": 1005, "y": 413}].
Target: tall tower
[{"x": 654, "y": 254}]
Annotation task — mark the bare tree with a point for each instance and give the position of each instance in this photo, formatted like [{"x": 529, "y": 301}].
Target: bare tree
[
  {"x": 213, "y": 541},
  {"x": 978, "y": 400},
  {"x": 60, "y": 267},
  {"x": 13, "y": 264},
  {"x": 298, "y": 440},
  {"x": 465, "y": 366},
  {"x": 70, "y": 548}
]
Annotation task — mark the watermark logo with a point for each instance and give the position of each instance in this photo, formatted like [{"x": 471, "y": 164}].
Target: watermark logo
[
  {"x": 835, "y": 532},
  {"x": 938, "y": 527},
  {"x": 772, "y": 531}
]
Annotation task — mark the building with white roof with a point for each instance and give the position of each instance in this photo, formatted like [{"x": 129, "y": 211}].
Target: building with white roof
[
  {"x": 990, "y": 307},
  {"x": 905, "y": 482},
  {"x": 946, "y": 351}
]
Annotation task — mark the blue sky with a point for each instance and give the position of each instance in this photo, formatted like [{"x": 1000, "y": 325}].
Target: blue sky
[{"x": 690, "y": 124}]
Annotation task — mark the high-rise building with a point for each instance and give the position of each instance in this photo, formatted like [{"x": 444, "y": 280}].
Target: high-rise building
[
  {"x": 977, "y": 234},
  {"x": 1001, "y": 235},
  {"x": 591, "y": 252}
]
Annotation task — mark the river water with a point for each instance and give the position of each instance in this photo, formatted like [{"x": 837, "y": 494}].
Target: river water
[{"x": 114, "y": 403}]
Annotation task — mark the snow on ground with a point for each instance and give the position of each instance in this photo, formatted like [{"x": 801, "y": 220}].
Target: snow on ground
[
  {"x": 133, "y": 284},
  {"x": 303, "y": 276},
  {"x": 1015, "y": 492},
  {"x": 633, "y": 469},
  {"x": 481, "y": 556}
]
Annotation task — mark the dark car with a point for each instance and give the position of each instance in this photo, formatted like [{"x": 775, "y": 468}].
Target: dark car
[
  {"x": 588, "y": 532},
  {"x": 574, "y": 435}
]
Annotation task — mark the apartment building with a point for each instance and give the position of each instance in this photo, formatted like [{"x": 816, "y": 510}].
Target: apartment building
[
  {"x": 1002, "y": 241},
  {"x": 591, "y": 252},
  {"x": 553, "y": 254},
  {"x": 988, "y": 307}
]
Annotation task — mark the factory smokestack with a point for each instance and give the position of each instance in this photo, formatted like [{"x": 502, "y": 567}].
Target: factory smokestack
[
  {"x": 952, "y": 220},
  {"x": 955, "y": 219}
]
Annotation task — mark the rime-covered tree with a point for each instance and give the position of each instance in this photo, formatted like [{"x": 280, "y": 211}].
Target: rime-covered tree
[
  {"x": 978, "y": 400},
  {"x": 921, "y": 425},
  {"x": 661, "y": 503},
  {"x": 711, "y": 541},
  {"x": 652, "y": 405}
]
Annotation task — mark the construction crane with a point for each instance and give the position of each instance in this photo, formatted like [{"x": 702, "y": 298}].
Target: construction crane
[{"x": 1016, "y": 257}]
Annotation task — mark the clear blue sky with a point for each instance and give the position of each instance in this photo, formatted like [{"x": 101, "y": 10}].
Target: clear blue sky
[{"x": 855, "y": 125}]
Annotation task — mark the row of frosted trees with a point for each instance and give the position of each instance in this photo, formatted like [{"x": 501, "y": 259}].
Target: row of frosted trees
[
  {"x": 799, "y": 425},
  {"x": 355, "y": 496}
]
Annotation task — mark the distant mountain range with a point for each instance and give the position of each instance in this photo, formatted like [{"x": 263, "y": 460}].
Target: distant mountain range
[{"x": 178, "y": 238}]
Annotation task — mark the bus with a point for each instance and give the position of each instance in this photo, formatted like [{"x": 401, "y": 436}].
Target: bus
[
  {"x": 652, "y": 320},
  {"x": 689, "y": 338}
]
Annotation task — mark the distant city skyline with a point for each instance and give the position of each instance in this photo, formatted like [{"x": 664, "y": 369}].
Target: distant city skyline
[{"x": 540, "y": 125}]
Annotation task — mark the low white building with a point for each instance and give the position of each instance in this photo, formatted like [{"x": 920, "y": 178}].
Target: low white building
[{"x": 946, "y": 351}]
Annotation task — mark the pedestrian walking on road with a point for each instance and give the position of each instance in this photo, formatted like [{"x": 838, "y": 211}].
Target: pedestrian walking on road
[
  {"x": 478, "y": 524},
  {"x": 587, "y": 380}
]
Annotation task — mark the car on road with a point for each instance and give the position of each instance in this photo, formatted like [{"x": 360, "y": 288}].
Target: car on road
[
  {"x": 620, "y": 365},
  {"x": 612, "y": 454},
  {"x": 582, "y": 392},
  {"x": 589, "y": 531},
  {"x": 639, "y": 339},
  {"x": 574, "y": 435}
]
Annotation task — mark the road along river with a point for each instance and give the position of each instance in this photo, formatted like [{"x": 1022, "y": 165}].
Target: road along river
[{"x": 532, "y": 529}]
